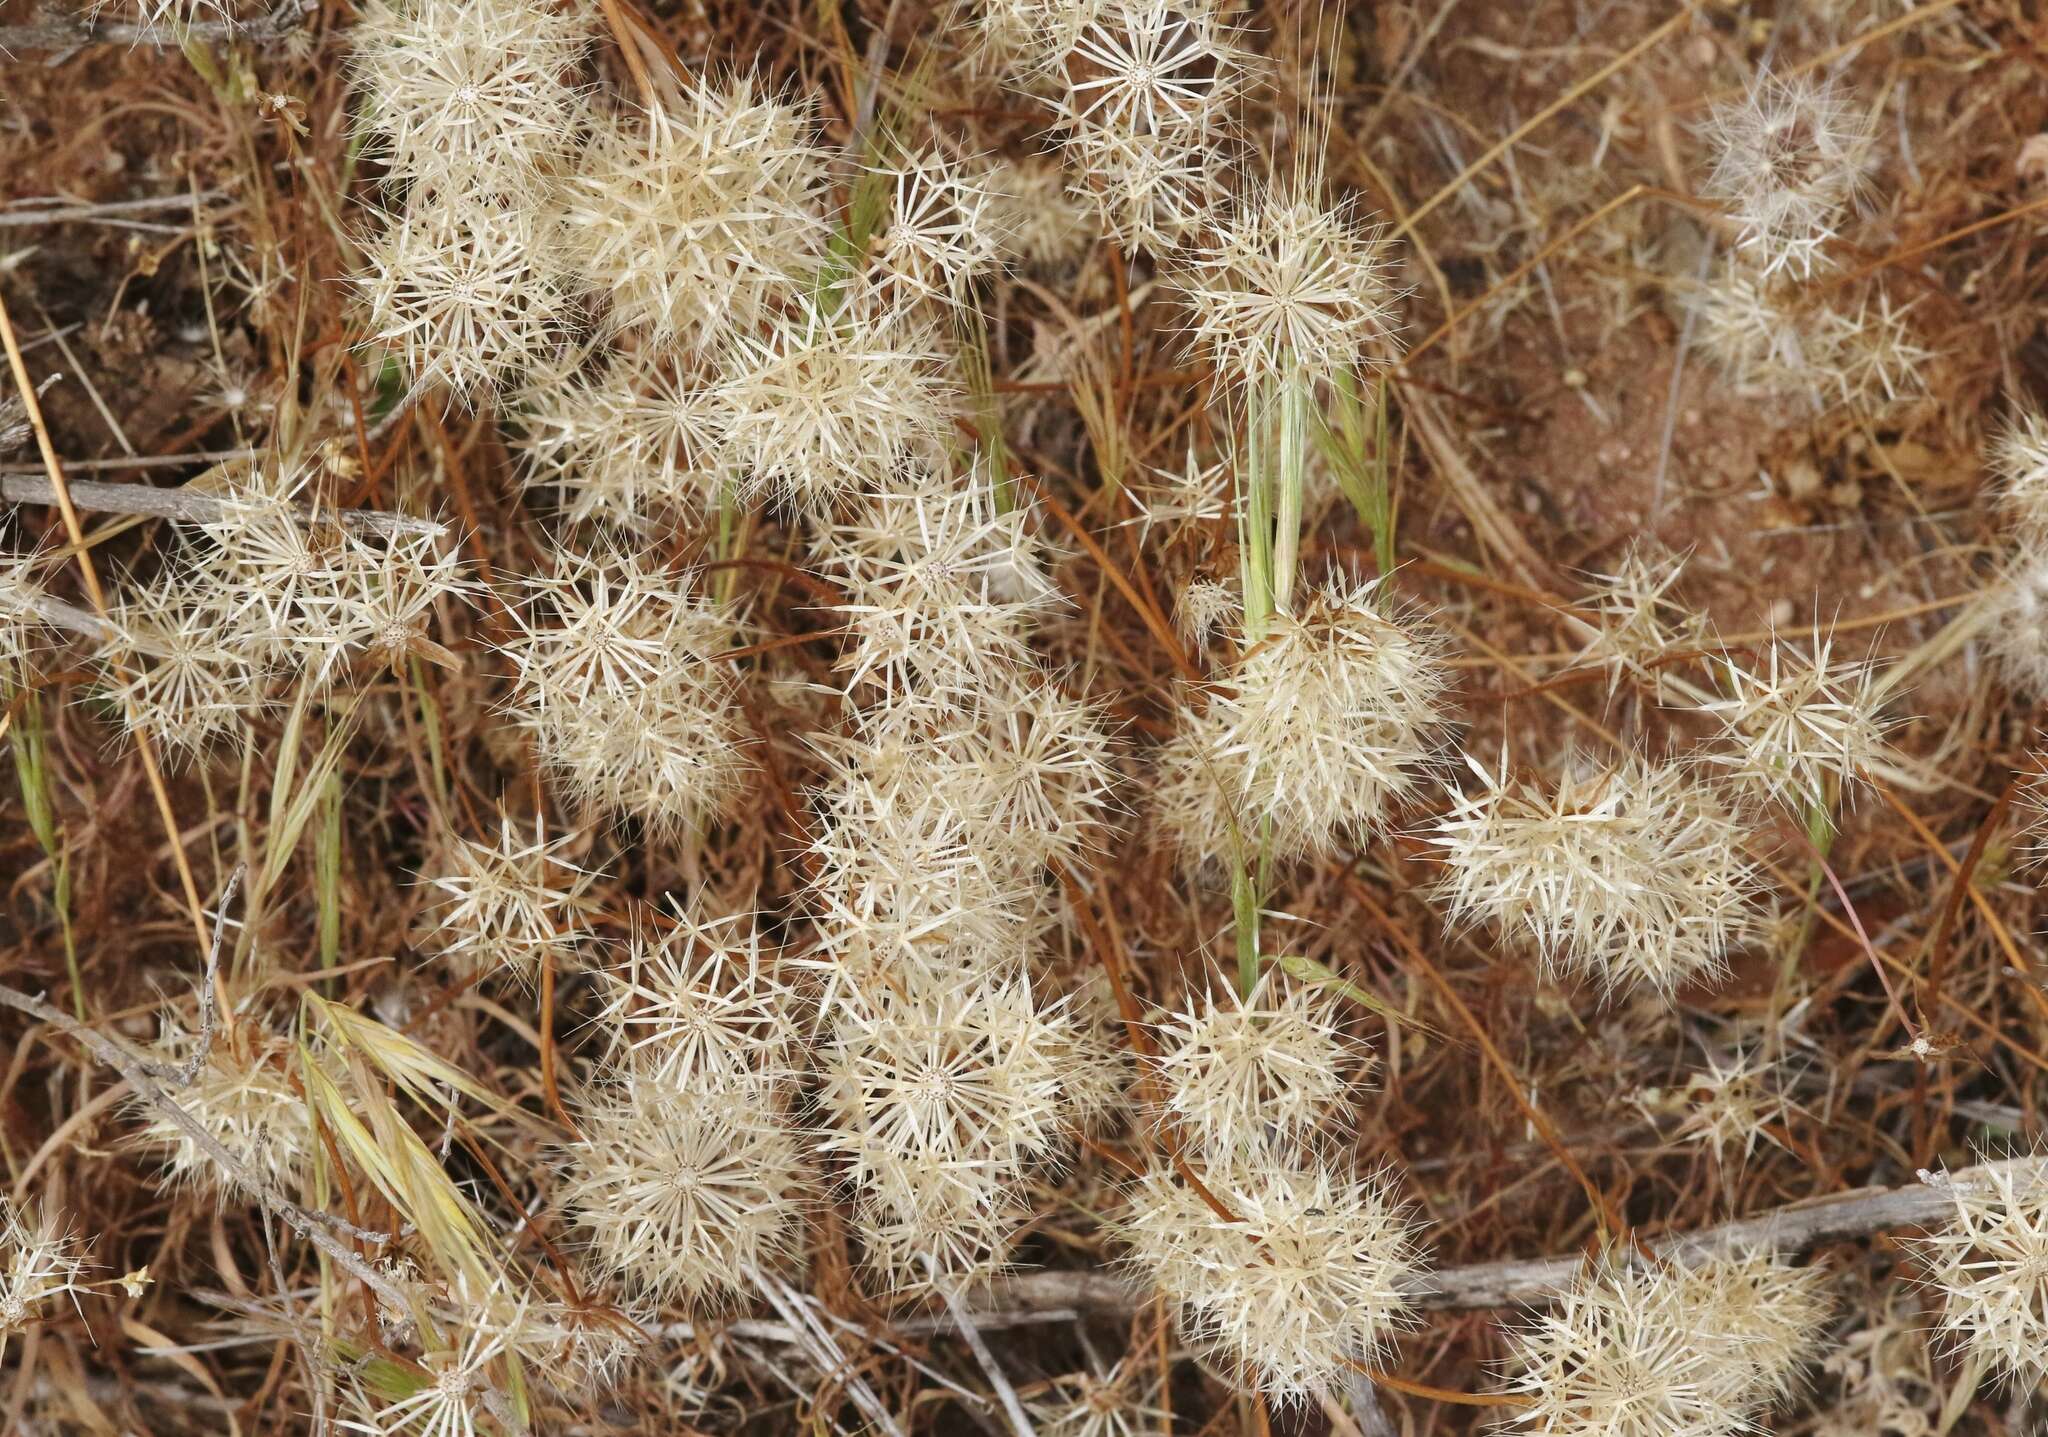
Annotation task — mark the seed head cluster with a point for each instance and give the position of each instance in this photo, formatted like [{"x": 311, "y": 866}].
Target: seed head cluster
[{"x": 770, "y": 563}]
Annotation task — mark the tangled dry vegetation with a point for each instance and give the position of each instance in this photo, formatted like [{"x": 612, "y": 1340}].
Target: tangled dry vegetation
[{"x": 1069, "y": 717}]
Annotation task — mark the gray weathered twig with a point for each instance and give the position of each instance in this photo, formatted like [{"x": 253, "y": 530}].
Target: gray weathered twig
[
  {"x": 1020, "y": 1421},
  {"x": 1503, "y": 1284},
  {"x": 73, "y": 32},
  {"x": 56, "y": 209},
  {"x": 193, "y": 507},
  {"x": 147, "y": 1076}
]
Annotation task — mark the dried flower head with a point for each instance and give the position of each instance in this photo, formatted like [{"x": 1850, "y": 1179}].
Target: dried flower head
[
  {"x": 176, "y": 673},
  {"x": 1773, "y": 1316},
  {"x": 942, "y": 585},
  {"x": 829, "y": 399},
  {"x": 455, "y": 1392},
  {"x": 1332, "y": 716},
  {"x": 290, "y": 578},
  {"x": 942, "y": 229},
  {"x": 510, "y": 903},
  {"x": 21, "y": 627},
  {"x": 1308, "y": 1273},
  {"x": 1149, "y": 67},
  {"x": 695, "y": 218},
  {"x": 15, "y": 430},
  {"x": 1205, "y": 607},
  {"x": 1640, "y": 624},
  {"x": 1803, "y": 728},
  {"x": 630, "y": 439},
  {"x": 1789, "y": 157},
  {"x": 2018, "y": 460},
  {"x": 930, "y": 1226},
  {"x": 1275, "y": 1064},
  {"x": 1731, "y": 1106},
  {"x": 1116, "y": 1403},
  {"x": 1286, "y": 286},
  {"x": 1027, "y": 769},
  {"x": 39, "y": 1261},
  {"x": 242, "y": 1096},
  {"x": 904, "y": 871},
  {"x": 1632, "y": 875},
  {"x": 1663, "y": 1352},
  {"x": 463, "y": 286},
  {"x": 944, "y": 1069},
  {"x": 1150, "y": 191},
  {"x": 2031, "y": 803},
  {"x": 2017, "y": 626},
  {"x": 619, "y": 676},
  {"x": 1990, "y": 1264},
  {"x": 697, "y": 1004},
  {"x": 458, "y": 90},
  {"x": 682, "y": 1191}
]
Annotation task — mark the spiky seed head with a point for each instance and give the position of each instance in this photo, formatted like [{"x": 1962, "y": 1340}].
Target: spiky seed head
[
  {"x": 1990, "y": 1265},
  {"x": 1205, "y": 607},
  {"x": 460, "y": 1391},
  {"x": 680, "y": 1191},
  {"x": 697, "y": 1004},
  {"x": 22, "y": 631},
  {"x": 1730, "y": 1106},
  {"x": 1028, "y": 769},
  {"x": 1641, "y": 625},
  {"x": 177, "y": 673},
  {"x": 1151, "y": 191},
  {"x": 942, "y": 585},
  {"x": 1788, "y": 157},
  {"x": 1307, "y": 1275},
  {"x": 1116, "y": 1403},
  {"x": 943, "y": 228},
  {"x": 243, "y": 1097},
  {"x": 39, "y": 1262},
  {"x": 2030, "y": 802},
  {"x": 1800, "y": 725},
  {"x": 1038, "y": 222},
  {"x": 1874, "y": 352},
  {"x": 511, "y": 902},
  {"x": 619, "y": 677},
  {"x": 1626, "y": 876},
  {"x": 1147, "y": 67},
  {"x": 1030, "y": 37},
  {"x": 1287, "y": 285},
  {"x": 934, "y": 1226},
  {"x": 2017, "y": 627},
  {"x": 462, "y": 286},
  {"x": 15, "y": 430},
  {"x": 1661, "y": 1352},
  {"x": 631, "y": 440},
  {"x": 829, "y": 399},
  {"x": 2017, "y": 457},
  {"x": 695, "y": 217},
  {"x": 1272, "y": 1065},
  {"x": 389, "y": 597},
  {"x": 904, "y": 871},
  {"x": 1771, "y": 1314},
  {"x": 1331, "y": 717},
  {"x": 939, "y": 1071},
  {"x": 1192, "y": 494},
  {"x": 1761, "y": 333},
  {"x": 455, "y": 91}
]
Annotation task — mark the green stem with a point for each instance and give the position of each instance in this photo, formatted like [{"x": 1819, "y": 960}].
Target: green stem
[{"x": 1290, "y": 421}]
